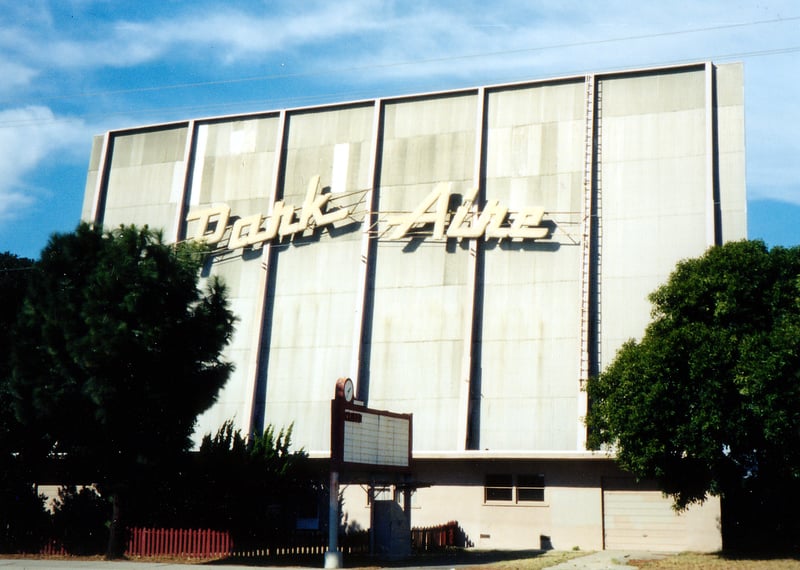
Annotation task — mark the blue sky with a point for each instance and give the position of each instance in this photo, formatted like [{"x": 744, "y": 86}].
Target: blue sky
[{"x": 71, "y": 69}]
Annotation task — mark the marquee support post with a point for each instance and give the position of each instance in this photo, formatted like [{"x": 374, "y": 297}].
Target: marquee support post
[{"x": 333, "y": 557}]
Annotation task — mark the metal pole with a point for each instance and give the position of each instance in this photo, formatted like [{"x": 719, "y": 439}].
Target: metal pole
[
  {"x": 371, "y": 500},
  {"x": 333, "y": 558}
]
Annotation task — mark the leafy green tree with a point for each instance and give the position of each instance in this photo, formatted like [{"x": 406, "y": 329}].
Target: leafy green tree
[
  {"x": 23, "y": 519},
  {"x": 708, "y": 401},
  {"x": 117, "y": 353},
  {"x": 14, "y": 273}
]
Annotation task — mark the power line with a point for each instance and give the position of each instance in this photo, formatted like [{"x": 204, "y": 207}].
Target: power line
[
  {"x": 308, "y": 99},
  {"x": 390, "y": 65}
]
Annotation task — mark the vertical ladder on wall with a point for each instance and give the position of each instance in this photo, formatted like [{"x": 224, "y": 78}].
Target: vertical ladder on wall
[
  {"x": 591, "y": 233},
  {"x": 597, "y": 224},
  {"x": 591, "y": 255},
  {"x": 586, "y": 228}
]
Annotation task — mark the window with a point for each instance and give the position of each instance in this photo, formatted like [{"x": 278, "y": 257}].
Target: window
[
  {"x": 527, "y": 488},
  {"x": 498, "y": 488},
  {"x": 530, "y": 488},
  {"x": 382, "y": 493}
]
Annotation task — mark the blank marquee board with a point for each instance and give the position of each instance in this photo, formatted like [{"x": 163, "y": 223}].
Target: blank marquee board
[{"x": 365, "y": 438}]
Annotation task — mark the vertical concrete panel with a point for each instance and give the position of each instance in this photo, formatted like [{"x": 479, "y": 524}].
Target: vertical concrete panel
[
  {"x": 731, "y": 149},
  {"x": 653, "y": 191},
  {"x": 92, "y": 175},
  {"x": 531, "y": 309},
  {"x": 314, "y": 294},
  {"x": 233, "y": 165},
  {"x": 420, "y": 286},
  {"x": 146, "y": 178}
]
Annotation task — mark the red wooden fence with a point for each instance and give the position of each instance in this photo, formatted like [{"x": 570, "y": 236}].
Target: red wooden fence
[
  {"x": 192, "y": 543},
  {"x": 53, "y": 548},
  {"x": 435, "y": 537},
  {"x": 207, "y": 543}
]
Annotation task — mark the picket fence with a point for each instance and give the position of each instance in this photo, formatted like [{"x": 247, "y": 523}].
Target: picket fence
[
  {"x": 207, "y": 543},
  {"x": 53, "y": 548},
  {"x": 191, "y": 543},
  {"x": 425, "y": 539}
]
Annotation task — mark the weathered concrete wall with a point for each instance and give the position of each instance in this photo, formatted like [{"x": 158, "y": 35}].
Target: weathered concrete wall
[
  {"x": 420, "y": 287},
  {"x": 481, "y": 340},
  {"x": 233, "y": 163},
  {"x": 485, "y": 340},
  {"x": 146, "y": 178},
  {"x": 531, "y": 302},
  {"x": 729, "y": 94},
  {"x": 314, "y": 294}
]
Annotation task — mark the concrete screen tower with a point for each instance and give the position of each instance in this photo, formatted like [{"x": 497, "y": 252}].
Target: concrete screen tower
[{"x": 470, "y": 257}]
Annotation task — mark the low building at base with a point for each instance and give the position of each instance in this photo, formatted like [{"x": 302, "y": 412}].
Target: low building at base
[
  {"x": 548, "y": 501},
  {"x": 470, "y": 257}
]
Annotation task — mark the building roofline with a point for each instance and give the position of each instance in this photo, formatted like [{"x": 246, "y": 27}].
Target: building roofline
[
  {"x": 411, "y": 96},
  {"x": 496, "y": 455}
]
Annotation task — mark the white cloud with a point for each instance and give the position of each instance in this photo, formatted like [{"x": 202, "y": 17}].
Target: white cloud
[
  {"x": 15, "y": 76},
  {"x": 355, "y": 32},
  {"x": 206, "y": 32},
  {"x": 28, "y": 136}
]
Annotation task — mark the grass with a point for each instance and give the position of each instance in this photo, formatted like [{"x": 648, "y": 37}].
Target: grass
[
  {"x": 719, "y": 561},
  {"x": 517, "y": 561}
]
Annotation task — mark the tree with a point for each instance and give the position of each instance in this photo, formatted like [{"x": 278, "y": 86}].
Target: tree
[
  {"x": 256, "y": 487},
  {"x": 708, "y": 402},
  {"x": 14, "y": 272},
  {"x": 253, "y": 486},
  {"x": 23, "y": 518},
  {"x": 118, "y": 351},
  {"x": 79, "y": 520}
]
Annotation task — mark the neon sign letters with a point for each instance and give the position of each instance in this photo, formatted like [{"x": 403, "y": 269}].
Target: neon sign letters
[{"x": 494, "y": 221}]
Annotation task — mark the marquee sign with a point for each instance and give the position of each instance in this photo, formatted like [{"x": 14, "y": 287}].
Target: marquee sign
[
  {"x": 490, "y": 223},
  {"x": 256, "y": 228},
  {"x": 494, "y": 221},
  {"x": 365, "y": 438}
]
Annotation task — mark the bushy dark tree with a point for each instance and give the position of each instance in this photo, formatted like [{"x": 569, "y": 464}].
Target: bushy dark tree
[
  {"x": 14, "y": 276},
  {"x": 117, "y": 353},
  {"x": 80, "y": 520},
  {"x": 708, "y": 402},
  {"x": 23, "y": 519},
  {"x": 251, "y": 486}
]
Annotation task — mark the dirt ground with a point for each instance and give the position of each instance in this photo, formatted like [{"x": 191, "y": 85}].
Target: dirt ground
[
  {"x": 464, "y": 559},
  {"x": 503, "y": 560},
  {"x": 718, "y": 562},
  {"x": 537, "y": 560}
]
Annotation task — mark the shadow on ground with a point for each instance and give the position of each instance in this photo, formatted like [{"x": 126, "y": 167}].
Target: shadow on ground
[{"x": 450, "y": 557}]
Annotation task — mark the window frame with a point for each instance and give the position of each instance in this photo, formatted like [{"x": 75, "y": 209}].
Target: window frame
[
  {"x": 523, "y": 489},
  {"x": 533, "y": 483},
  {"x": 498, "y": 484}
]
